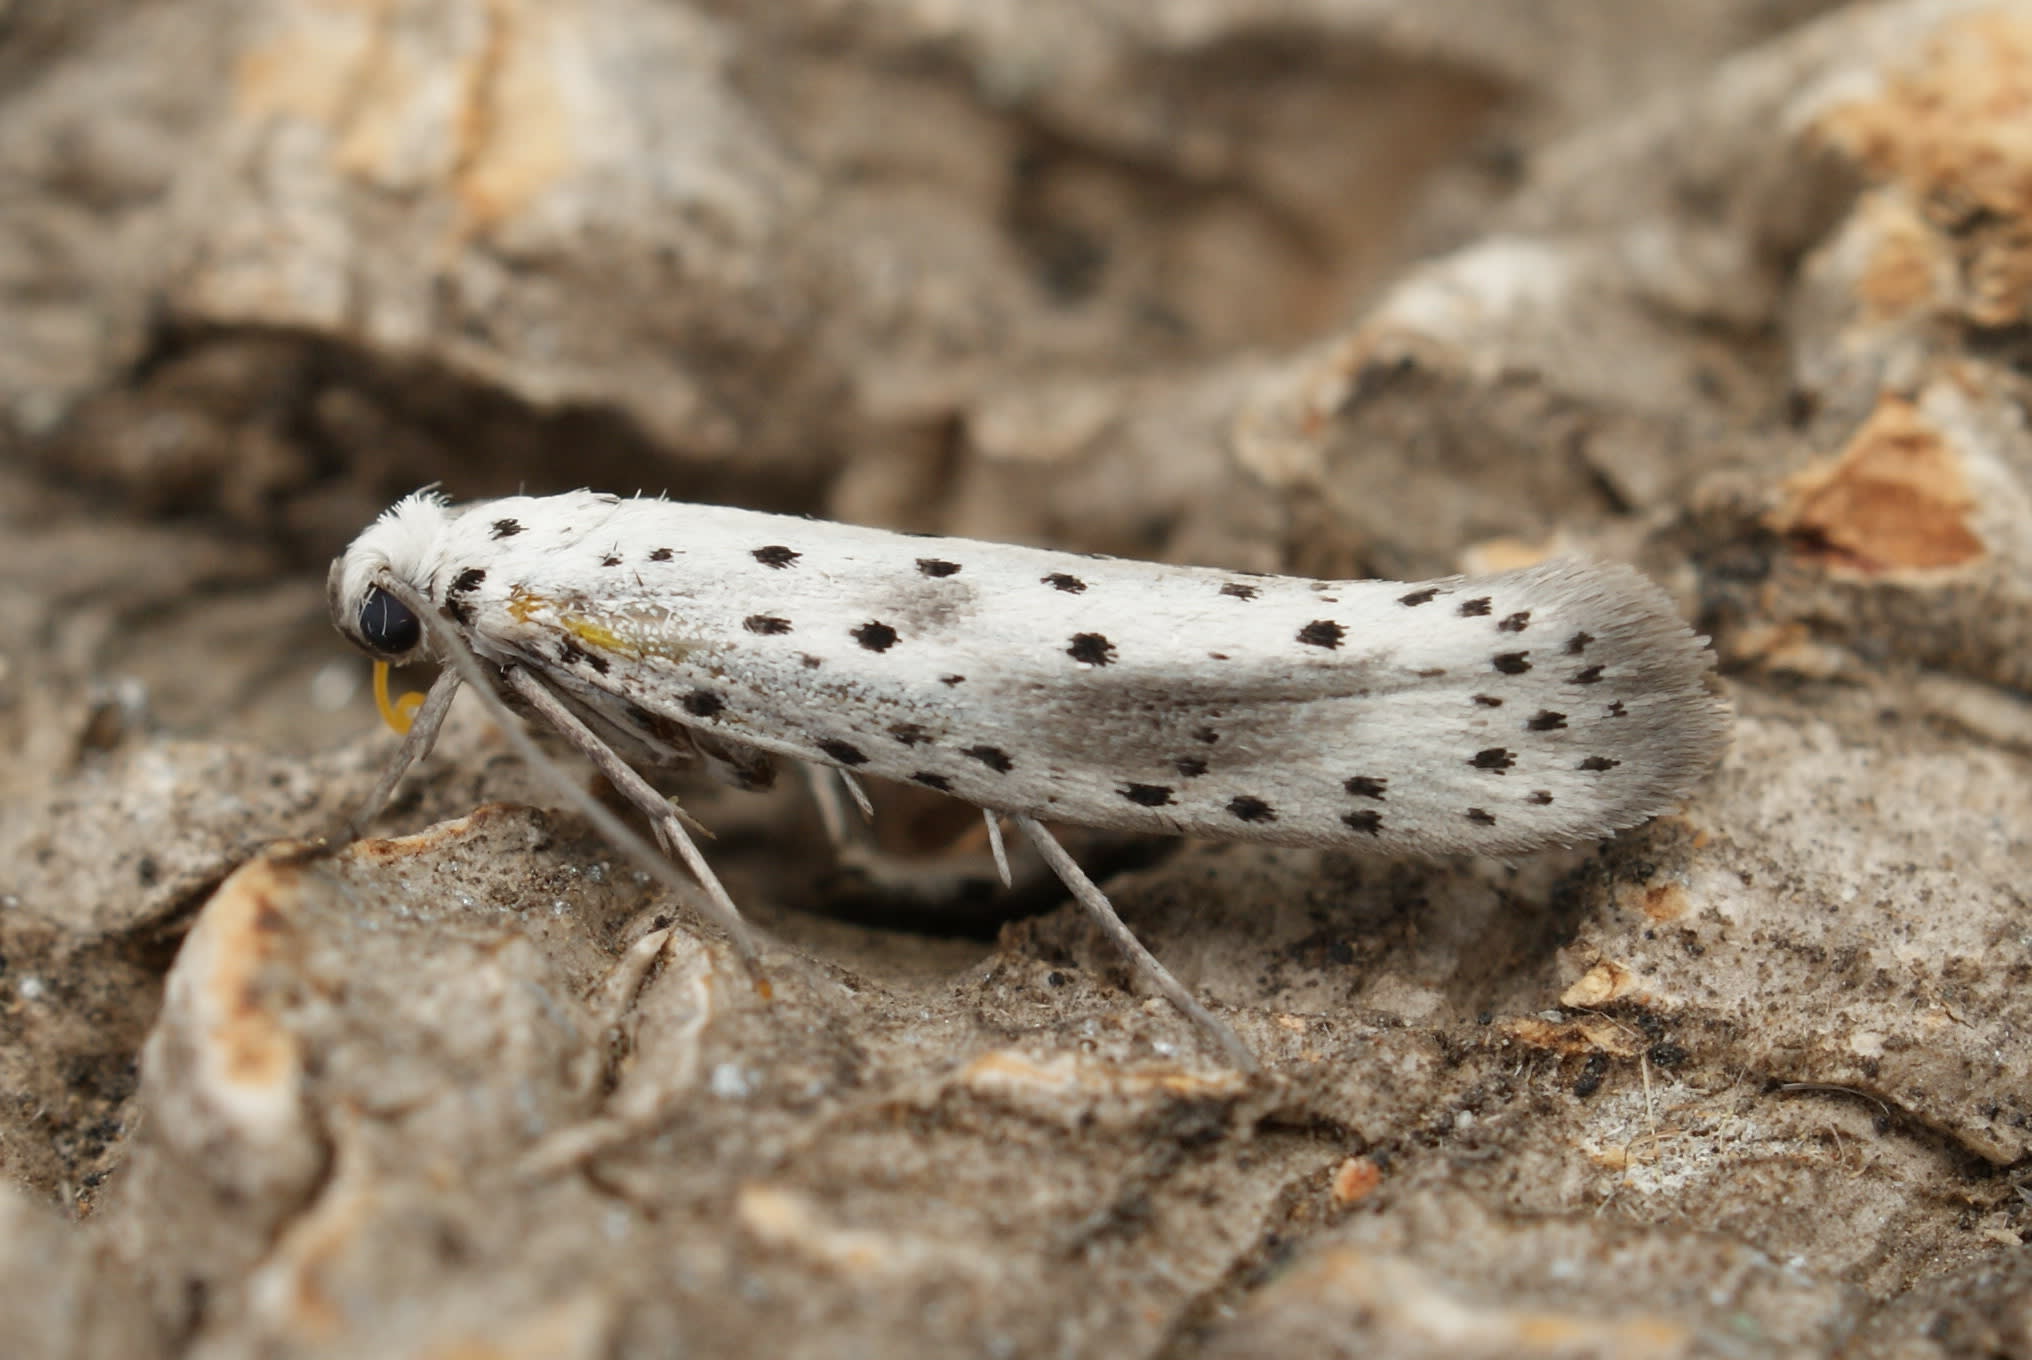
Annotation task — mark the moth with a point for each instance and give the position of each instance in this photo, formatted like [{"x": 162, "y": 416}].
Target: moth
[{"x": 1492, "y": 715}]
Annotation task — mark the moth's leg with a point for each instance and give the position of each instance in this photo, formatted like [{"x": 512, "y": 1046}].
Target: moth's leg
[
  {"x": 855, "y": 849},
  {"x": 639, "y": 791},
  {"x": 859, "y": 794},
  {"x": 1155, "y": 973},
  {"x": 1001, "y": 851},
  {"x": 416, "y": 744},
  {"x": 825, "y": 792}
]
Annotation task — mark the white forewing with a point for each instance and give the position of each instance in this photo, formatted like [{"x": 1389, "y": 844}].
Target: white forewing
[{"x": 1495, "y": 714}]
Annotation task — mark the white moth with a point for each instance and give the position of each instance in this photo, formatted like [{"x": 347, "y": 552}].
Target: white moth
[{"x": 1495, "y": 715}]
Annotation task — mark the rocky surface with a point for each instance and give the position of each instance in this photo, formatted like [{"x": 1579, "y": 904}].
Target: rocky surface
[{"x": 1737, "y": 292}]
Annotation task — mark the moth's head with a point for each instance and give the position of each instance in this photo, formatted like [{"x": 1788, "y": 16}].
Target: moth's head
[{"x": 398, "y": 546}]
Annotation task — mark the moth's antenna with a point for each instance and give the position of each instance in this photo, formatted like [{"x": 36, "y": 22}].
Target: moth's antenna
[
  {"x": 1103, "y": 914},
  {"x": 465, "y": 666}
]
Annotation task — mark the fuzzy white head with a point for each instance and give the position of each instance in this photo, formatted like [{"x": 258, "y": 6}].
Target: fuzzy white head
[{"x": 401, "y": 543}]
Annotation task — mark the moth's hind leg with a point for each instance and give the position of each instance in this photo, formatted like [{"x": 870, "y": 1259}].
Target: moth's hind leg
[
  {"x": 1142, "y": 960},
  {"x": 910, "y": 879},
  {"x": 826, "y": 783}
]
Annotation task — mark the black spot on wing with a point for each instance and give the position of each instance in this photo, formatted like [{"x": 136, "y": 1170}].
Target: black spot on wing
[
  {"x": 1146, "y": 795},
  {"x": 1192, "y": 767},
  {"x": 661, "y": 555},
  {"x": 1495, "y": 758},
  {"x": 1206, "y": 734},
  {"x": 1091, "y": 649},
  {"x": 909, "y": 733},
  {"x": 1418, "y": 597},
  {"x": 766, "y": 624},
  {"x": 776, "y": 556},
  {"x": 844, "y": 752},
  {"x": 1481, "y": 818},
  {"x": 1598, "y": 763},
  {"x": 875, "y": 636},
  {"x": 1512, "y": 663},
  {"x": 952, "y": 679},
  {"x": 1071, "y": 585},
  {"x": 936, "y": 566},
  {"x": 505, "y": 528},
  {"x": 570, "y": 653},
  {"x": 1475, "y": 608},
  {"x": 994, "y": 757},
  {"x": 1589, "y": 676},
  {"x": 1239, "y": 591},
  {"x": 1515, "y": 623},
  {"x": 932, "y": 781},
  {"x": 1542, "y": 797},
  {"x": 611, "y": 560},
  {"x": 1545, "y": 720},
  {"x": 1247, "y": 809},
  {"x": 1488, "y": 701},
  {"x": 703, "y": 703},
  {"x": 1322, "y": 633},
  {"x": 468, "y": 581},
  {"x": 1368, "y": 819},
  {"x": 1366, "y": 786},
  {"x": 1577, "y": 644}
]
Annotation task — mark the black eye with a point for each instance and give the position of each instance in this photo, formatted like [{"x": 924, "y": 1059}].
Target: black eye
[{"x": 386, "y": 625}]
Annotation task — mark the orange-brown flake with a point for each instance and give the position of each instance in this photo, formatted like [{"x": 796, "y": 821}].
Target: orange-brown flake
[
  {"x": 1895, "y": 498},
  {"x": 1953, "y": 133}
]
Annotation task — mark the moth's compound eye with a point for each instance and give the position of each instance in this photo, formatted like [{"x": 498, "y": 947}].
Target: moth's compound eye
[{"x": 386, "y": 623}]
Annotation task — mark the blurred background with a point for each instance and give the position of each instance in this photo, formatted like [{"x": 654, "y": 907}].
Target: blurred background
[{"x": 1036, "y": 272}]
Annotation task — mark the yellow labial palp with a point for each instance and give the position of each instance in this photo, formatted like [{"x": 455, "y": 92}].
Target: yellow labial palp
[{"x": 397, "y": 713}]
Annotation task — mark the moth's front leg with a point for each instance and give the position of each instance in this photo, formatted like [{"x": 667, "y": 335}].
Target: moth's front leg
[
  {"x": 416, "y": 744},
  {"x": 624, "y": 777}
]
